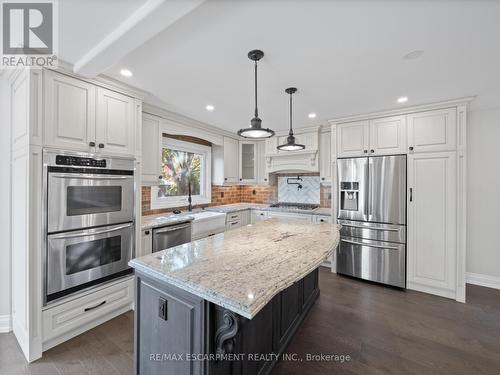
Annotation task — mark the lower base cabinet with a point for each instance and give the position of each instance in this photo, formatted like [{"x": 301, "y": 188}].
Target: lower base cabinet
[
  {"x": 67, "y": 319},
  {"x": 171, "y": 324}
]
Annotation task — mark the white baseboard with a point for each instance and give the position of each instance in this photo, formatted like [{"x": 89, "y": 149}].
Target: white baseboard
[
  {"x": 483, "y": 280},
  {"x": 5, "y": 323}
]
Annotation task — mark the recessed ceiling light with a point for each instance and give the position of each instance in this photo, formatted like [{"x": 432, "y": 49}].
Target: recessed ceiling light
[
  {"x": 402, "y": 99},
  {"x": 412, "y": 55},
  {"x": 126, "y": 73},
  {"x": 209, "y": 107},
  {"x": 311, "y": 115}
]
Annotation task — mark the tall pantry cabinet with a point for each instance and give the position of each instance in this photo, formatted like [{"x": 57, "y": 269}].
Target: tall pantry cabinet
[{"x": 433, "y": 137}]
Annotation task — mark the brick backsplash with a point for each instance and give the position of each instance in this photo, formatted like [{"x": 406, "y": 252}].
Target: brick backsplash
[{"x": 235, "y": 194}]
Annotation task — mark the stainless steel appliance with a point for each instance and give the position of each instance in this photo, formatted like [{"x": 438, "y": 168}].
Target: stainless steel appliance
[
  {"x": 372, "y": 212},
  {"x": 171, "y": 235},
  {"x": 89, "y": 222}
]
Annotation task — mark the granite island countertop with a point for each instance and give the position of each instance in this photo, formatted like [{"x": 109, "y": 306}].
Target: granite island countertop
[{"x": 243, "y": 269}]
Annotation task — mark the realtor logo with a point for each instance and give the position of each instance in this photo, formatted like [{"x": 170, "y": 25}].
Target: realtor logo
[{"x": 28, "y": 31}]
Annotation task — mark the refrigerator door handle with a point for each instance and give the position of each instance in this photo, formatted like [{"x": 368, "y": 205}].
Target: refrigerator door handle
[{"x": 370, "y": 245}]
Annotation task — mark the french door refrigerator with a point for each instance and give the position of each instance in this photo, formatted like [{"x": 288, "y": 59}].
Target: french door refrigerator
[{"x": 372, "y": 212}]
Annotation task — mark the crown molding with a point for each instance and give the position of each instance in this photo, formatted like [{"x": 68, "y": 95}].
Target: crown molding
[{"x": 405, "y": 110}]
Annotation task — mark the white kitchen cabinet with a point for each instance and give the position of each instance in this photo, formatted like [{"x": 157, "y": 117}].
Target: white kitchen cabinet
[
  {"x": 81, "y": 116},
  {"x": 151, "y": 150},
  {"x": 262, "y": 175},
  {"x": 146, "y": 242},
  {"x": 231, "y": 160},
  {"x": 322, "y": 219},
  {"x": 379, "y": 136},
  {"x": 69, "y": 112},
  {"x": 353, "y": 139},
  {"x": 115, "y": 123},
  {"x": 63, "y": 321},
  {"x": 432, "y": 130},
  {"x": 237, "y": 219},
  {"x": 388, "y": 135},
  {"x": 247, "y": 162},
  {"x": 258, "y": 215},
  {"x": 432, "y": 223},
  {"x": 325, "y": 158}
]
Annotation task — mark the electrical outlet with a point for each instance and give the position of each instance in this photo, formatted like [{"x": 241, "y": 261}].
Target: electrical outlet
[{"x": 163, "y": 308}]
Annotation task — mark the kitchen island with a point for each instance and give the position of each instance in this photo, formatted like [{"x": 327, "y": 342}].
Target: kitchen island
[{"x": 228, "y": 304}]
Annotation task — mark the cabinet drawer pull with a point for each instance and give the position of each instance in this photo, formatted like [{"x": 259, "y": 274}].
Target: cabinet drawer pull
[
  {"x": 92, "y": 144},
  {"x": 365, "y": 151},
  {"x": 410, "y": 148},
  {"x": 94, "y": 307},
  {"x": 101, "y": 145},
  {"x": 411, "y": 194}
]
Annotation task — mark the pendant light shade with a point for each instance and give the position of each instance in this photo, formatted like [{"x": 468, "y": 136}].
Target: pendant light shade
[
  {"x": 290, "y": 144},
  {"x": 255, "y": 130}
]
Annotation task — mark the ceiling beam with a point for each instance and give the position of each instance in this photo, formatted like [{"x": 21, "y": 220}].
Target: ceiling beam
[{"x": 146, "y": 22}]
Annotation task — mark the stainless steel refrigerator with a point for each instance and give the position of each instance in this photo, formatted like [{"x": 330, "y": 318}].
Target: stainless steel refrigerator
[{"x": 372, "y": 212}]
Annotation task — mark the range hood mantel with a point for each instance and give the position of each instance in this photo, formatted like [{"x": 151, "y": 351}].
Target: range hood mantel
[{"x": 297, "y": 161}]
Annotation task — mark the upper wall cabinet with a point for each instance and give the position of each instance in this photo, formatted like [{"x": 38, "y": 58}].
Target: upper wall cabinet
[
  {"x": 69, "y": 112},
  {"x": 381, "y": 136},
  {"x": 432, "y": 130},
  {"x": 151, "y": 157},
  {"x": 353, "y": 139},
  {"x": 248, "y": 162},
  {"x": 82, "y": 116},
  {"x": 388, "y": 135},
  {"x": 231, "y": 160},
  {"x": 115, "y": 122},
  {"x": 325, "y": 157}
]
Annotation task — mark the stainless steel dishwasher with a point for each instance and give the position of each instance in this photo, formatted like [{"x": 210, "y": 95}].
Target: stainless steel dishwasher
[{"x": 171, "y": 235}]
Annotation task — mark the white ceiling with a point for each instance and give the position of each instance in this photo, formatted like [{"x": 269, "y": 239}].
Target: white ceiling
[{"x": 345, "y": 57}]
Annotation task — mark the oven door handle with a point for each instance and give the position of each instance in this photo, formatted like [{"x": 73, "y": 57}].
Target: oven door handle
[
  {"x": 369, "y": 245},
  {"x": 85, "y": 233},
  {"x": 90, "y": 176},
  {"x": 171, "y": 229}
]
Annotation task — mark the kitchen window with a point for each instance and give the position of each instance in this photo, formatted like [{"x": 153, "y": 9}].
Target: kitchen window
[{"x": 184, "y": 166}]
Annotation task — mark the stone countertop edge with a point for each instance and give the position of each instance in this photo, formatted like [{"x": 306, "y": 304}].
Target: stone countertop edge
[{"x": 219, "y": 299}]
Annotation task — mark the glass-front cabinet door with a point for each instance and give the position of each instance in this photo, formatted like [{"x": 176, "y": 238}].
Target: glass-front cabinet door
[{"x": 248, "y": 165}]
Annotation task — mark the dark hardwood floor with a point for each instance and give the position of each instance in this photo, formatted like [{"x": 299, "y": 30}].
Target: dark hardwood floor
[{"x": 382, "y": 330}]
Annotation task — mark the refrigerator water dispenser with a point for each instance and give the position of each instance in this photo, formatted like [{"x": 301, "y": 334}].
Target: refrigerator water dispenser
[{"x": 349, "y": 196}]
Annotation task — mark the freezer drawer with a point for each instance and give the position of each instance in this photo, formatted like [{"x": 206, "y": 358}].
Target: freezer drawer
[
  {"x": 382, "y": 262},
  {"x": 373, "y": 231}
]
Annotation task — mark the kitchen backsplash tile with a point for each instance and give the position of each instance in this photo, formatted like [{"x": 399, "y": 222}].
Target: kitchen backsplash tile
[
  {"x": 308, "y": 193},
  {"x": 253, "y": 194}
]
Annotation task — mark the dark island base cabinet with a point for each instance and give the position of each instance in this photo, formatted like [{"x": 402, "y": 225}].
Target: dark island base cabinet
[{"x": 170, "y": 323}]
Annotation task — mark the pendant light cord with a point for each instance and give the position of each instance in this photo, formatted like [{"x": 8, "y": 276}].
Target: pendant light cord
[
  {"x": 291, "y": 131},
  {"x": 256, "y": 110}
]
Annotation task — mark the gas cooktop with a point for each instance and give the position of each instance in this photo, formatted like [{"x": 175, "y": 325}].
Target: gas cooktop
[{"x": 295, "y": 206}]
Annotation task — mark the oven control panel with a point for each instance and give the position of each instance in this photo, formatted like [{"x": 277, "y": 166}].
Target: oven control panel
[{"x": 80, "y": 162}]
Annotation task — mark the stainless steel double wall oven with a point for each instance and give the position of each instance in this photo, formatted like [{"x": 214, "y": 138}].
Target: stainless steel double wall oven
[{"x": 89, "y": 223}]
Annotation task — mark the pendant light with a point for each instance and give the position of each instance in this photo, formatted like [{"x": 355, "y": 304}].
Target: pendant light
[
  {"x": 290, "y": 144},
  {"x": 255, "y": 130}
]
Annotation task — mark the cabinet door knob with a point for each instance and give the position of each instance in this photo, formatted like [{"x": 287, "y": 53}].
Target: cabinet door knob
[
  {"x": 92, "y": 144},
  {"x": 322, "y": 178},
  {"x": 372, "y": 151},
  {"x": 101, "y": 145},
  {"x": 225, "y": 179},
  {"x": 241, "y": 179},
  {"x": 410, "y": 148},
  {"x": 160, "y": 177},
  {"x": 146, "y": 232},
  {"x": 265, "y": 179},
  {"x": 365, "y": 151}
]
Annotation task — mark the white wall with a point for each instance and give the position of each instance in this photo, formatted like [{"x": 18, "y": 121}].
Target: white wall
[
  {"x": 483, "y": 194},
  {"x": 5, "y": 259}
]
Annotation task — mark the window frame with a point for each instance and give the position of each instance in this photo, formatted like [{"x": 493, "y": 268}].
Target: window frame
[{"x": 206, "y": 178}]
